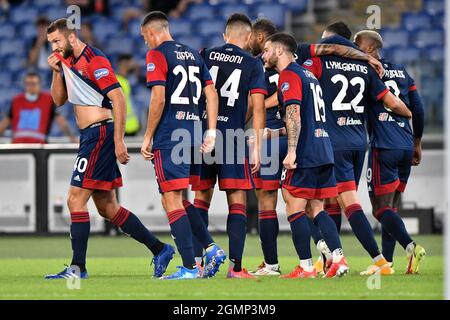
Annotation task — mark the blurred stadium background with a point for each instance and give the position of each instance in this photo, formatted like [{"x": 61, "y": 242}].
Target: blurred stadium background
[{"x": 34, "y": 181}]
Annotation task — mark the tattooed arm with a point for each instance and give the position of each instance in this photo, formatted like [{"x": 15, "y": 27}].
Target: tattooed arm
[
  {"x": 293, "y": 134},
  {"x": 323, "y": 49}
]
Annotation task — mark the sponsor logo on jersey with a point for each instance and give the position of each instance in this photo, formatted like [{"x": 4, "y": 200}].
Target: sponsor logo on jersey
[
  {"x": 182, "y": 115},
  {"x": 320, "y": 133},
  {"x": 384, "y": 116},
  {"x": 308, "y": 63},
  {"x": 151, "y": 67},
  {"x": 285, "y": 87},
  {"x": 348, "y": 121},
  {"x": 77, "y": 178},
  {"x": 222, "y": 118},
  {"x": 100, "y": 73}
]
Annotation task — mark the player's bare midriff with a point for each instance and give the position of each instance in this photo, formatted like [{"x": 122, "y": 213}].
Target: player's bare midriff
[{"x": 87, "y": 115}]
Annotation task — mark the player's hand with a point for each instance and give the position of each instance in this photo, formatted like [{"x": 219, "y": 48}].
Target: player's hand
[
  {"x": 289, "y": 162},
  {"x": 417, "y": 156},
  {"x": 255, "y": 160},
  {"x": 209, "y": 142},
  {"x": 121, "y": 152},
  {"x": 377, "y": 65},
  {"x": 146, "y": 149},
  {"x": 54, "y": 63}
]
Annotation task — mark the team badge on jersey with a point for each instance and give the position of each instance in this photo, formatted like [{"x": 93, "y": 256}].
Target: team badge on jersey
[
  {"x": 100, "y": 73},
  {"x": 308, "y": 63},
  {"x": 150, "y": 67},
  {"x": 285, "y": 87}
]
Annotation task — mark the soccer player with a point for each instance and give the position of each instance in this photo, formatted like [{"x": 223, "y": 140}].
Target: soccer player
[
  {"x": 349, "y": 86},
  {"x": 333, "y": 43},
  {"x": 394, "y": 148},
  {"x": 83, "y": 76},
  {"x": 308, "y": 177},
  {"x": 237, "y": 75},
  {"x": 267, "y": 184},
  {"x": 177, "y": 75}
]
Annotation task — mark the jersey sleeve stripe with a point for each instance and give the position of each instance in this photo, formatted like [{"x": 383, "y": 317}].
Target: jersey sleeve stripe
[
  {"x": 412, "y": 88},
  {"x": 382, "y": 94},
  {"x": 156, "y": 83},
  {"x": 111, "y": 87},
  {"x": 208, "y": 82},
  {"x": 258, "y": 90},
  {"x": 292, "y": 101}
]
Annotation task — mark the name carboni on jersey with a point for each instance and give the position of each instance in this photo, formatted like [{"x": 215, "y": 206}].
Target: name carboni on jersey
[
  {"x": 223, "y": 57},
  {"x": 346, "y": 66}
]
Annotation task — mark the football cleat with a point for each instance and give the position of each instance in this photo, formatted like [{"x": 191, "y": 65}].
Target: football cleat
[
  {"x": 243, "y": 274},
  {"x": 266, "y": 270},
  {"x": 337, "y": 269},
  {"x": 68, "y": 273},
  {"x": 299, "y": 272},
  {"x": 214, "y": 257},
  {"x": 320, "y": 267},
  {"x": 384, "y": 270},
  {"x": 162, "y": 260},
  {"x": 414, "y": 259},
  {"x": 183, "y": 274}
]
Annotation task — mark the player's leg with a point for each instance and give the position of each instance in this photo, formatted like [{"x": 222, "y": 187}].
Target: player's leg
[
  {"x": 79, "y": 233},
  {"x": 298, "y": 220},
  {"x": 386, "y": 182},
  {"x": 268, "y": 231},
  {"x": 129, "y": 223},
  {"x": 325, "y": 258}
]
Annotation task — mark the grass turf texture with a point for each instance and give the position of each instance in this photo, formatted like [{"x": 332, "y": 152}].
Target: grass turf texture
[{"x": 119, "y": 269}]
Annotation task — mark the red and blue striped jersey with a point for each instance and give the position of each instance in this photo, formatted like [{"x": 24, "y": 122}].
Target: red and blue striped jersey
[
  {"x": 298, "y": 85},
  {"x": 236, "y": 74},
  {"x": 183, "y": 73},
  {"x": 386, "y": 129},
  {"x": 349, "y": 86}
]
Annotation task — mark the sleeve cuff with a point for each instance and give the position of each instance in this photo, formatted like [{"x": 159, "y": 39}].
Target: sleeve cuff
[
  {"x": 207, "y": 83},
  {"x": 258, "y": 90},
  {"x": 111, "y": 87},
  {"x": 412, "y": 88},
  {"x": 382, "y": 94},
  {"x": 155, "y": 83},
  {"x": 292, "y": 101}
]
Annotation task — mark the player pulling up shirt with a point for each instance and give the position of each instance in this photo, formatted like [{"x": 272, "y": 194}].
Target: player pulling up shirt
[{"x": 83, "y": 76}]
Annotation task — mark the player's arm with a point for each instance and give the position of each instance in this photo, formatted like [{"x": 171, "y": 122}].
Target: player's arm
[
  {"x": 271, "y": 101},
  {"x": 65, "y": 127},
  {"x": 58, "y": 88},
  {"x": 396, "y": 105},
  {"x": 322, "y": 49},
  {"x": 293, "y": 134},
  {"x": 120, "y": 114},
  {"x": 156, "y": 107},
  {"x": 212, "y": 111},
  {"x": 259, "y": 122},
  {"x": 418, "y": 119}
]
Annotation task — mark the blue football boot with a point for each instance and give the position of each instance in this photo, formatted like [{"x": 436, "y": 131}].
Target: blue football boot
[
  {"x": 68, "y": 273},
  {"x": 214, "y": 257},
  {"x": 183, "y": 274},
  {"x": 162, "y": 260}
]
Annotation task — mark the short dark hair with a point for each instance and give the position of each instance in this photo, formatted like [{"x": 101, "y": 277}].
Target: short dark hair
[
  {"x": 266, "y": 26},
  {"x": 239, "y": 18},
  {"x": 60, "y": 25},
  {"x": 340, "y": 28},
  {"x": 154, "y": 16},
  {"x": 32, "y": 74},
  {"x": 124, "y": 56},
  {"x": 286, "y": 40}
]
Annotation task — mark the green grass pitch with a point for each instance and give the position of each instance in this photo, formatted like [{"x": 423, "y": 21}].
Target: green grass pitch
[{"x": 119, "y": 269}]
